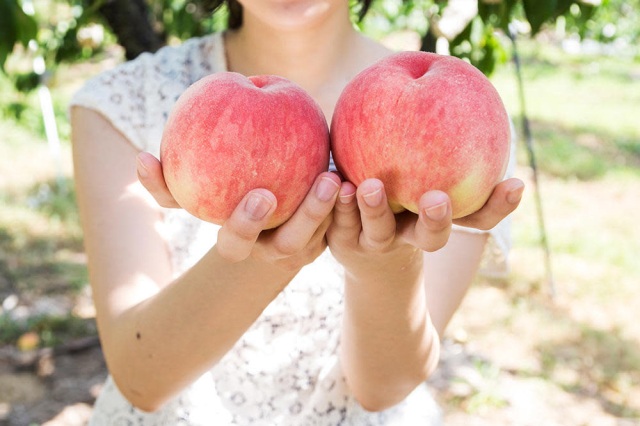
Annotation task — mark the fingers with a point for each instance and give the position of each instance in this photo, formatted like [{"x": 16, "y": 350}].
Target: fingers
[
  {"x": 505, "y": 198},
  {"x": 364, "y": 216},
  {"x": 429, "y": 230},
  {"x": 310, "y": 217},
  {"x": 239, "y": 233},
  {"x": 378, "y": 221},
  {"x": 346, "y": 216},
  {"x": 151, "y": 177}
]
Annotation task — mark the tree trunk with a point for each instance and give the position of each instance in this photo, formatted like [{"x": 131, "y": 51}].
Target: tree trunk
[
  {"x": 428, "y": 42},
  {"x": 130, "y": 22}
]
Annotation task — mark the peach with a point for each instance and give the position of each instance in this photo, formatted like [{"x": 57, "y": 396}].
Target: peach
[
  {"x": 228, "y": 134},
  {"x": 420, "y": 121}
]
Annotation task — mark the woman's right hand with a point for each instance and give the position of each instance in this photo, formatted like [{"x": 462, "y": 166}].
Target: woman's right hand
[{"x": 290, "y": 246}]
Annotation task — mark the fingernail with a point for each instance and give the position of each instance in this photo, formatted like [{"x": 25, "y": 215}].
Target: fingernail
[
  {"x": 436, "y": 212},
  {"x": 515, "y": 195},
  {"x": 142, "y": 169},
  {"x": 373, "y": 199},
  {"x": 326, "y": 189},
  {"x": 257, "y": 206},
  {"x": 347, "y": 198}
]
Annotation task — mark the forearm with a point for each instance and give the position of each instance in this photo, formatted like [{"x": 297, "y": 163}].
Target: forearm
[
  {"x": 158, "y": 347},
  {"x": 448, "y": 279},
  {"x": 388, "y": 343}
]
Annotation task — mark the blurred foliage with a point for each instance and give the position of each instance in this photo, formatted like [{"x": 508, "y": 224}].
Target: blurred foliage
[
  {"x": 49, "y": 330},
  {"x": 17, "y": 28},
  {"x": 75, "y": 30},
  {"x": 38, "y": 35},
  {"x": 54, "y": 199},
  {"x": 612, "y": 20},
  {"x": 482, "y": 40},
  {"x": 184, "y": 19}
]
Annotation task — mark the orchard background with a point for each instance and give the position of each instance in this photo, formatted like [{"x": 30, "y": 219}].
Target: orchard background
[{"x": 554, "y": 342}]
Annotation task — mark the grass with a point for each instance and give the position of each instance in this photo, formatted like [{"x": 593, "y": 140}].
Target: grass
[
  {"x": 584, "y": 93},
  {"x": 587, "y": 142},
  {"x": 583, "y": 346},
  {"x": 41, "y": 252},
  {"x": 583, "y": 111}
]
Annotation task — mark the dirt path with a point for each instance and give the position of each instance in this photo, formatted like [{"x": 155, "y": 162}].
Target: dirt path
[{"x": 51, "y": 390}]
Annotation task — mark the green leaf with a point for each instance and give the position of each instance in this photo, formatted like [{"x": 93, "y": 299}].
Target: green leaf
[
  {"x": 16, "y": 26},
  {"x": 4, "y": 54},
  {"x": 538, "y": 12},
  {"x": 563, "y": 6},
  {"x": 26, "y": 26},
  {"x": 26, "y": 82},
  {"x": 8, "y": 35},
  {"x": 465, "y": 35},
  {"x": 69, "y": 48},
  {"x": 497, "y": 14},
  {"x": 493, "y": 53}
]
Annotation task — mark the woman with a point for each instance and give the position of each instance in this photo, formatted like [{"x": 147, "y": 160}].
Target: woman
[{"x": 332, "y": 318}]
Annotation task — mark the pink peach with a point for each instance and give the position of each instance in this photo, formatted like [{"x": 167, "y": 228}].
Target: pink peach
[
  {"x": 420, "y": 121},
  {"x": 228, "y": 134}
]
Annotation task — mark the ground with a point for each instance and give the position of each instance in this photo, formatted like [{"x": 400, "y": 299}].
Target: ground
[{"x": 487, "y": 376}]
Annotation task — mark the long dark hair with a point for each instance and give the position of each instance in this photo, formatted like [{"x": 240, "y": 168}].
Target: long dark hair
[{"x": 235, "y": 10}]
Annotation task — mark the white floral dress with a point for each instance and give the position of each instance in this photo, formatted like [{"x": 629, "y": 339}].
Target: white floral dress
[{"x": 285, "y": 369}]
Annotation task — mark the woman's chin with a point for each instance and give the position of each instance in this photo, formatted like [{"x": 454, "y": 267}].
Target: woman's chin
[{"x": 291, "y": 15}]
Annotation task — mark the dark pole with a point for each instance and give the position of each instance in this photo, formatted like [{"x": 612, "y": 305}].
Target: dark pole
[{"x": 533, "y": 164}]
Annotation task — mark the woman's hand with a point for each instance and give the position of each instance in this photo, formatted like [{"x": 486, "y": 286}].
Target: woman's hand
[
  {"x": 364, "y": 223},
  {"x": 386, "y": 302},
  {"x": 504, "y": 199},
  {"x": 290, "y": 246},
  {"x": 151, "y": 177}
]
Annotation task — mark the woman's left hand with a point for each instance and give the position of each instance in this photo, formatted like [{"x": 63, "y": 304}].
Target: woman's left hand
[{"x": 364, "y": 223}]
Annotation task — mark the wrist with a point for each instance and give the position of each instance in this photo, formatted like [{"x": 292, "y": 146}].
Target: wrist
[
  {"x": 272, "y": 276},
  {"x": 404, "y": 263}
]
